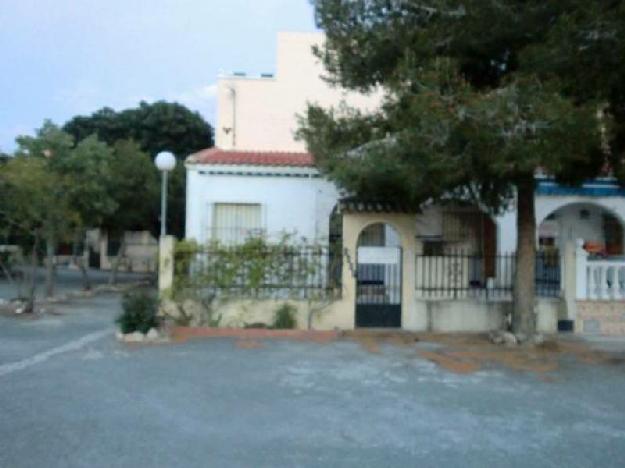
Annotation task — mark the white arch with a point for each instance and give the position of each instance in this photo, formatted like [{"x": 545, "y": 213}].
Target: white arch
[{"x": 545, "y": 206}]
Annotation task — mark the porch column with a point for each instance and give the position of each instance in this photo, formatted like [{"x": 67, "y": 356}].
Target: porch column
[{"x": 569, "y": 278}]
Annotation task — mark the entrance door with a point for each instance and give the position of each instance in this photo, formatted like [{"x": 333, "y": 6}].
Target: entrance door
[{"x": 378, "y": 278}]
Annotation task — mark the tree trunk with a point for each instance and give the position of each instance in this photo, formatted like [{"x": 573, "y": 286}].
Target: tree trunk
[
  {"x": 79, "y": 259},
  {"x": 117, "y": 261},
  {"x": 50, "y": 267},
  {"x": 523, "y": 315},
  {"x": 30, "y": 305}
]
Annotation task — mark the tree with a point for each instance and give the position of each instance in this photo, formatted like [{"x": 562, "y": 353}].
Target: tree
[
  {"x": 465, "y": 114},
  {"x": 155, "y": 127},
  {"x": 90, "y": 189},
  {"x": 135, "y": 190},
  {"x": 49, "y": 143},
  {"x": 80, "y": 190},
  {"x": 35, "y": 207}
]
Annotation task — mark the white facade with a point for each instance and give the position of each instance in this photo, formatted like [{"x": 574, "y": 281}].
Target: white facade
[
  {"x": 293, "y": 201},
  {"x": 260, "y": 114}
]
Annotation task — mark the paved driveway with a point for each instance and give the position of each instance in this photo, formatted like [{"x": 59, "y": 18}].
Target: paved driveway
[{"x": 71, "y": 396}]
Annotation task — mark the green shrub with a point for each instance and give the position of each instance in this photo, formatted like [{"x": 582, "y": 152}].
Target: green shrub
[
  {"x": 285, "y": 317},
  {"x": 140, "y": 309}
]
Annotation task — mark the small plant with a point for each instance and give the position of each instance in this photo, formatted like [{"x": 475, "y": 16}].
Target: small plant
[
  {"x": 284, "y": 318},
  {"x": 140, "y": 310}
]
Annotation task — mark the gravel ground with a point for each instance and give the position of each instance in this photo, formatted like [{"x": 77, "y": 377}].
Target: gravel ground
[{"x": 71, "y": 396}]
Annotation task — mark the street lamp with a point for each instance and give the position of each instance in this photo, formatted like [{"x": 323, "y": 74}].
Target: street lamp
[{"x": 165, "y": 162}]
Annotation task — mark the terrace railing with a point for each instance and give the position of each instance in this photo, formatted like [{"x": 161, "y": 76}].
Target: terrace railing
[
  {"x": 458, "y": 275},
  {"x": 599, "y": 278}
]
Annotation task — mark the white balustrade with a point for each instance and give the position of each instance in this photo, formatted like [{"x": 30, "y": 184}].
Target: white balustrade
[{"x": 599, "y": 279}]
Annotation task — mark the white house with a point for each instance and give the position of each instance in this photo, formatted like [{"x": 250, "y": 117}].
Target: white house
[{"x": 260, "y": 180}]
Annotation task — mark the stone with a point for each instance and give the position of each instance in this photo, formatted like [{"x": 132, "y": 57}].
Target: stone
[
  {"x": 538, "y": 339},
  {"x": 496, "y": 336},
  {"x": 509, "y": 339},
  {"x": 152, "y": 334},
  {"x": 135, "y": 337},
  {"x": 521, "y": 338}
]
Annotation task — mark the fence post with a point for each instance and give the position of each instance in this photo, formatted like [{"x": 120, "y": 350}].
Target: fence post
[{"x": 165, "y": 263}]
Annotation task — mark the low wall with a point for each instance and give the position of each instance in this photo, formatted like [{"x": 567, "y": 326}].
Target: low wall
[
  {"x": 433, "y": 316},
  {"x": 600, "y": 317},
  {"x": 244, "y": 312},
  {"x": 472, "y": 315}
]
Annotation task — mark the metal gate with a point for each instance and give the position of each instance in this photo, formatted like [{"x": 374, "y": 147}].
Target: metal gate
[{"x": 378, "y": 287}]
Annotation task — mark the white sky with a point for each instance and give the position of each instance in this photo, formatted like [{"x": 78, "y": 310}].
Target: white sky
[{"x": 60, "y": 58}]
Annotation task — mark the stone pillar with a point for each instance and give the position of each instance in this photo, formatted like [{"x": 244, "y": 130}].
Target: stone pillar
[{"x": 165, "y": 263}]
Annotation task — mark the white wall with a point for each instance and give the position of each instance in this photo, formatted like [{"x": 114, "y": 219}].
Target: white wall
[
  {"x": 263, "y": 110},
  {"x": 296, "y": 204}
]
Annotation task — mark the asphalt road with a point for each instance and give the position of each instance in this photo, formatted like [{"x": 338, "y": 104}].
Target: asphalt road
[{"x": 71, "y": 396}]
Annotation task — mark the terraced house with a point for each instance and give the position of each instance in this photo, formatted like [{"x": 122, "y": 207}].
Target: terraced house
[{"x": 445, "y": 268}]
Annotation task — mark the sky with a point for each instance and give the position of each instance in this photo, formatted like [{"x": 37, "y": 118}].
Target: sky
[{"x": 61, "y": 58}]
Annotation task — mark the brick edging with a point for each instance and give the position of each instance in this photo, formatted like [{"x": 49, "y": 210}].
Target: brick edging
[{"x": 180, "y": 333}]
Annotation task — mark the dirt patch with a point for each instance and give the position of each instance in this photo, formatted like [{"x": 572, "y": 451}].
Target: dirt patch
[
  {"x": 451, "y": 363},
  {"x": 468, "y": 353},
  {"x": 249, "y": 344},
  {"x": 371, "y": 340}
]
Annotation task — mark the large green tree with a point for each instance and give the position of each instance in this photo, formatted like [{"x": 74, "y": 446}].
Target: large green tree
[
  {"x": 159, "y": 126},
  {"x": 34, "y": 209},
  {"x": 472, "y": 108},
  {"x": 135, "y": 189}
]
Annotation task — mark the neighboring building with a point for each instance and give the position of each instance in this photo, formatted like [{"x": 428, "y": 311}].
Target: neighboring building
[{"x": 260, "y": 180}]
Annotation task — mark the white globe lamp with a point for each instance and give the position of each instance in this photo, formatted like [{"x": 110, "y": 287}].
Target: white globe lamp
[{"x": 165, "y": 162}]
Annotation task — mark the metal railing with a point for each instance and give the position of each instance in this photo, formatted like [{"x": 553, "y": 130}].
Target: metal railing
[
  {"x": 459, "y": 275},
  {"x": 294, "y": 272}
]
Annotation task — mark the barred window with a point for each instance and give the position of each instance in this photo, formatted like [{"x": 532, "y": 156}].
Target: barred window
[{"x": 234, "y": 223}]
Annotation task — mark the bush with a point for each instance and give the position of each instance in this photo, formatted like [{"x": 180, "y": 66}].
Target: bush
[
  {"x": 285, "y": 317},
  {"x": 140, "y": 309}
]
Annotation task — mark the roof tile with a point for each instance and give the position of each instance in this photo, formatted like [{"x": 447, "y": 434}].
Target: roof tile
[{"x": 215, "y": 156}]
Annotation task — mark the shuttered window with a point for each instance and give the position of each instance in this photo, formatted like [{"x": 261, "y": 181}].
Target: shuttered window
[{"x": 233, "y": 223}]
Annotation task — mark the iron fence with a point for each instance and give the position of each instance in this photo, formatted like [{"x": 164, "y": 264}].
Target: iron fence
[
  {"x": 460, "y": 275},
  {"x": 283, "y": 272}
]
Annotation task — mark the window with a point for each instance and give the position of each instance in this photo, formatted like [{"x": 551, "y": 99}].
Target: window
[{"x": 234, "y": 223}]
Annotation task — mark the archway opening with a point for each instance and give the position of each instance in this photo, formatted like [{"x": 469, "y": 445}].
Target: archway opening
[{"x": 600, "y": 230}]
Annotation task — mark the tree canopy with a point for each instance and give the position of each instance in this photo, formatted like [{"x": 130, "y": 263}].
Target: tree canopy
[
  {"x": 160, "y": 126},
  {"x": 479, "y": 95}
]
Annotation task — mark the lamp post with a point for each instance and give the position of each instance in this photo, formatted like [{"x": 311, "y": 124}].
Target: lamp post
[{"x": 165, "y": 162}]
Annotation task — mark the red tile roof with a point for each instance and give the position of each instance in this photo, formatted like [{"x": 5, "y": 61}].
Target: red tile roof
[{"x": 252, "y": 158}]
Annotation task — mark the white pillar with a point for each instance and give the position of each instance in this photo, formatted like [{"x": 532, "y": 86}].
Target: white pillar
[
  {"x": 581, "y": 271},
  {"x": 569, "y": 278}
]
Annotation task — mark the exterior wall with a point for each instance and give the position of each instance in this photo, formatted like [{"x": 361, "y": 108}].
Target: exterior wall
[
  {"x": 260, "y": 113},
  {"x": 600, "y": 317},
  {"x": 292, "y": 200},
  {"x": 140, "y": 255},
  {"x": 474, "y": 316}
]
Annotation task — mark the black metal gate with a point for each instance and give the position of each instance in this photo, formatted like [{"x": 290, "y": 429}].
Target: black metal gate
[{"x": 378, "y": 287}]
